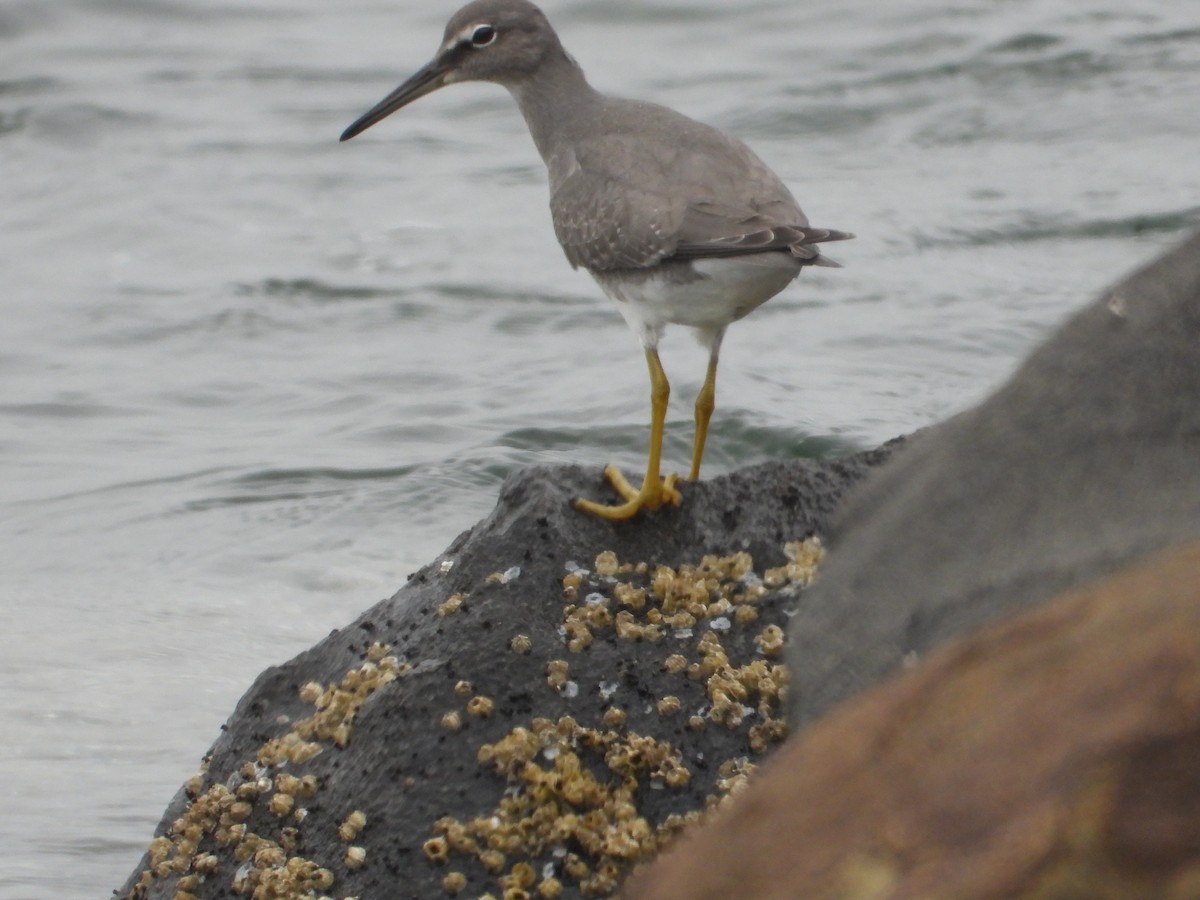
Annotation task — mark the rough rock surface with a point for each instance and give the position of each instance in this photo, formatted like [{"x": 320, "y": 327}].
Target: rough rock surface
[
  {"x": 1053, "y": 755},
  {"x": 1087, "y": 459},
  {"x": 354, "y": 769}
]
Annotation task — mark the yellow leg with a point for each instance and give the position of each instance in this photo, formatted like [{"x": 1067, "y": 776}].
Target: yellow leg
[
  {"x": 655, "y": 490},
  {"x": 706, "y": 401}
]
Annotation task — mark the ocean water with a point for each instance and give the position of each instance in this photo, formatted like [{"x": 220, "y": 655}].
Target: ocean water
[{"x": 251, "y": 377}]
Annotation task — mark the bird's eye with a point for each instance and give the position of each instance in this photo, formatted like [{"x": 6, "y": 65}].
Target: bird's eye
[{"x": 482, "y": 36}]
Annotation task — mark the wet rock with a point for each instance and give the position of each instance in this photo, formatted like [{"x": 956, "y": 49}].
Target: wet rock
[
  {"x": 1051, "y": 755},
  {"x": 544, "y": 704}
]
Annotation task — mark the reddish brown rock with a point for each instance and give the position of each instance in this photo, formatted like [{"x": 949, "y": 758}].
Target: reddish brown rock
[{"x": 1056, "y": 754}]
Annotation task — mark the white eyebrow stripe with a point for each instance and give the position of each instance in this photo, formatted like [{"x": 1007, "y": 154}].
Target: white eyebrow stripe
[{"x": 463, "y": 36}]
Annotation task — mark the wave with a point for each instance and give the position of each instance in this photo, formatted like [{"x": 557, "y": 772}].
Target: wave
[{"x": 1036, "y": 228}]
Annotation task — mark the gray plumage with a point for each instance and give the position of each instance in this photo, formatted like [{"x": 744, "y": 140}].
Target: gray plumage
[{"x": 631, "y": 197}]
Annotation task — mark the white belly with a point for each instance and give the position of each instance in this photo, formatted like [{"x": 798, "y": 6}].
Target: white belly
[{"x": 706, "y": 294}]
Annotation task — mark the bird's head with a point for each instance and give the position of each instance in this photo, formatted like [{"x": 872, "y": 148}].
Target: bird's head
[{"x": 504, "y": 41}]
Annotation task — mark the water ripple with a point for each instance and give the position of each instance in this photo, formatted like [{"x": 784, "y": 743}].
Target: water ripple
[
  {"x": 1178, "y": 35},
  {"x": 13, "y": 120},
  {"x": 32, "y": 85},
  {"x": 1041, "y": 228},
  {"x": 77, "y": 122},
  {"x": 80, "y": 409},
  {"x": 315, "y": 290},
  {"x": 1026, "y": 43},
  {"x": 271, "y": 486},
  {"x": 736, "y": 438},
  {"x": 275, "y": 477}
]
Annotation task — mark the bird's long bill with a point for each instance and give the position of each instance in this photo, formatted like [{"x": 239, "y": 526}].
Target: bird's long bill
[{"x": 425, "y": 81}]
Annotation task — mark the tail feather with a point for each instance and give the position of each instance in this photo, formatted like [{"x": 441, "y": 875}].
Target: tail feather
[
  {"x": 824, "y": 235},
  {"x": 809, "y": 254},
  {"x": 826, "y": 262}
]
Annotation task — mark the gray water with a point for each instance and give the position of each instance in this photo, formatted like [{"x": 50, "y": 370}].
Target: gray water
[{"x": 251, "y": 377}]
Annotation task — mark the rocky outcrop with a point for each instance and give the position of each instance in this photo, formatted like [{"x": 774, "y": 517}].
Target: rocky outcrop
[
  {"x": 1051, "y": 755},
  {"x": 543, "y": 705}
]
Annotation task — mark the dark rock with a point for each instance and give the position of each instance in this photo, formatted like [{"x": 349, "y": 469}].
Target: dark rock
[
  {"x": 1052, "y": 755},
  {"x": 1087, "y": 459},
  {"x": 405, "y": 771}
]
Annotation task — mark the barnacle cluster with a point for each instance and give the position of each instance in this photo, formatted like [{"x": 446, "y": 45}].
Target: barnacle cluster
[
  {"x": 571, "y": 801},
  {"x": 267, "y": 868},
  {"x": 337, "y": 705},
  {"x": 692, "y": 608},
  {"x": 570, "y": 814},
  {"x": 216, "y": 816}
]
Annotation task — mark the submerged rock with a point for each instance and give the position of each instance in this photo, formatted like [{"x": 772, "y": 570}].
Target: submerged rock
[{"x": 535, "y": 710}]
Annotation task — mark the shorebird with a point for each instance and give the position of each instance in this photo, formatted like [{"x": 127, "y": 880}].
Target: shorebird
[{"x": 678, "y": 222}]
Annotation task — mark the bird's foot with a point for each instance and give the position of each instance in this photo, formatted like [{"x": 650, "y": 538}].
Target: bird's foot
[{"x": 653, "y": 494}]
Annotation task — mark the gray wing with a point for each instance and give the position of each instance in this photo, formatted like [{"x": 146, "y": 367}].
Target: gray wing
[
  {"x": 622, "y": 201},
  {"x": 734, "y": 232},
  {"x": 607, "y": 223}
]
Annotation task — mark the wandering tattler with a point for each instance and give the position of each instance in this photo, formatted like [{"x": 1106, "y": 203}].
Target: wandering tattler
[{"x": 678, "y": 222}]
